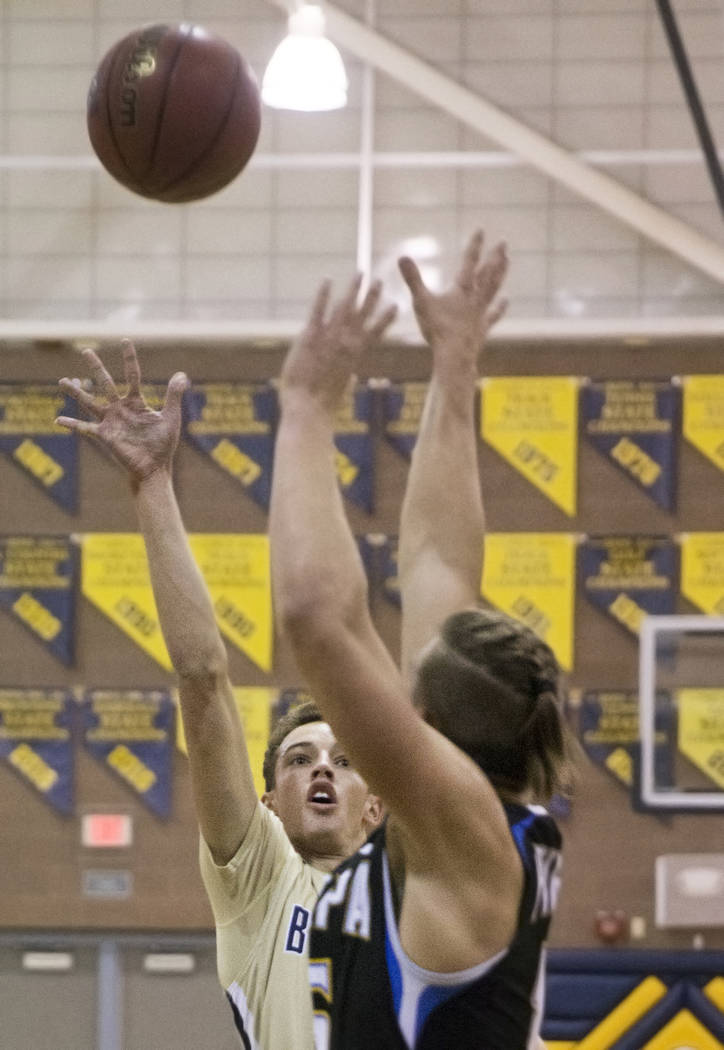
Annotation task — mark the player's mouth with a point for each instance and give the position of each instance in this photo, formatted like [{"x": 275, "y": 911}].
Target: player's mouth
[{"x": 322, "y": 794}]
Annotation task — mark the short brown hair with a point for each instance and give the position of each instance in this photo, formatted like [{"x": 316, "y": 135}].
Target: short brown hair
[
  {"x": 299, "y": 715},
  {"x": 493, "y": 687}
]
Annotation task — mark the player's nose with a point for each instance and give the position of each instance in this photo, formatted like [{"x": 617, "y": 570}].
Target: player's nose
[{"x": 323, "y": 767}]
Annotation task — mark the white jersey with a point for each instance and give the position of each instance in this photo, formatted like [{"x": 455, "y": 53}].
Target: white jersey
[{"x": 262, "y": 902}]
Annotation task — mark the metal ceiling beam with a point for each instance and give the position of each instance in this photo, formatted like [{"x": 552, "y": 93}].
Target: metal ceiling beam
[{"x": 540, "y": 152}]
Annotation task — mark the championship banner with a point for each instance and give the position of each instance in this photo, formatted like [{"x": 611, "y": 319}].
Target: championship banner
[
  {"x": 402, "y": 405},
  {"x": 31, "y": 439},
  {"x": 36, "y": 740},
  {"x": 115, "y": 578},
  {"x": 632, "y": 423},
  {"x": 702, "y": 570},
  {"x": 629, "y": 577},
  {"x": 532, "y": 422},
  {"x": 254, "y": 704},
  {"x": 354, "y": 455},
  {"x": 131, "y": 732},
  {"x": 237, "y": 572},
  {"x": 703, "y": 417},
  {"x": 532, "y": 577},
  {"x": 701, "y": 730},
  {"x": 233, "y": 423},
  {"x": 609, "y": 733},
  {"x": 37, "y": 585}
]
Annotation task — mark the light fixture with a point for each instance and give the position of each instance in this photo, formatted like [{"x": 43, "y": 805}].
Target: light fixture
[{"x": 306, "y": 71}]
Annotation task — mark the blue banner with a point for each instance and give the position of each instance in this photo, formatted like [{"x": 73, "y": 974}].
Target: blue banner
[
  {"x": 629, "y": 577},
  {"x": 402, "y": 405},
  {"x": 131, "y": 731},
  {"x": 31, "y": 440},
  {"x": 36, "y": 741},
  {"x": 287, "y": 699},
  {"x": 233, "y": 424},
  {"x": 609, "y": 733},
  {"x": 634, "y": 424},
  {"x": 38, "y": 584},
  {"x": 354, "y": 448}
]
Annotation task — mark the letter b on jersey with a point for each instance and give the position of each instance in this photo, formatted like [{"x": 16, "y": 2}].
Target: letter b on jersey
[{"x": 297, "y": 930}]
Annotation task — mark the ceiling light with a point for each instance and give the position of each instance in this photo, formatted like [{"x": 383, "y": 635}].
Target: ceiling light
[{"x": 306, "y": 71}]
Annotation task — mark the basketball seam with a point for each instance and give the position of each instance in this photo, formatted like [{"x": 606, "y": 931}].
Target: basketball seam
[
  {"x": 222, "y": 127},
  {"x": 162, "y": 107}
]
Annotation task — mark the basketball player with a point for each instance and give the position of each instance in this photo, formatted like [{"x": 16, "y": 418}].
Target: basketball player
[
  {"x": 263, "y": 862},
  {"x": 432, "y": 935}
]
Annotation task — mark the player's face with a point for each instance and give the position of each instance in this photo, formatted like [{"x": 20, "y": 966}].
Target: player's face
[{"x": 323, "y": 802}]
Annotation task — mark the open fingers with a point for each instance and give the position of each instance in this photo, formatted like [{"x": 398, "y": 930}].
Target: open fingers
[
  {"x": 348, "y": 303},
  {"x": 491, "y": 273},
  {"x": 411, "y": 276},
  {"x": 81, "y": 426},
  {"x": 495, "y": 312},
  {"x": 131, "y": 368},
  {"x": 371, "y": 300},
  {"x": 85, "y": 399},
  {"x": 320, "y": 304},
  {"x": 174, "y": 396},
  {"x": 471, "y": 259},
  {"x": 101, "y": 376},
  {"x": 383, "y": 322}
]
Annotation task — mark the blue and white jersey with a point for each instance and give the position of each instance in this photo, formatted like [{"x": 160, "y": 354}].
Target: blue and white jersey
[{"x": 368, "y": 993}]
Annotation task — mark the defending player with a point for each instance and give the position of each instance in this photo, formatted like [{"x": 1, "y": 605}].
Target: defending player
[
  {"x": 432, "y": 935},
  {"x": 262, "y": 874}
]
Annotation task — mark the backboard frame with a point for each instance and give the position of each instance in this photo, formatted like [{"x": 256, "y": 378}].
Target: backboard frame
[{"x": 651, "y": 628}]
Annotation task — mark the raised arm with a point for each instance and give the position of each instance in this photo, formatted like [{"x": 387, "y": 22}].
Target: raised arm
[
  {"x": 144, "y": 441},
  {"x": 442, "y": 521},
  {"x": 451, "y": 835},
  {"x": 320, "y": 586}
]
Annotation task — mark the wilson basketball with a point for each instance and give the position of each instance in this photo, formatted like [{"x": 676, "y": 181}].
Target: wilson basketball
[{"x": 173, "y": 112}]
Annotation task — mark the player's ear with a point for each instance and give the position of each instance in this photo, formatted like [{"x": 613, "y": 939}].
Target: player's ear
[
  {"x": 269, "y": 800},
  {"x": 373, "y": 813}
]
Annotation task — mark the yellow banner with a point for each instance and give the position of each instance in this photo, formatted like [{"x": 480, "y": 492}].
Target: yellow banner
[
  {"x": 701, "y": 730},
  {"x": 532, "y": 422},
  {"x": 254, "y": 704},
  {"x": 115, "y": 578},
  {"x": 237, "y": 571},
  {"x": 702, "y": 570},
  {"x": 531, "y": 576},
  {"x": 703, "y": 415}
]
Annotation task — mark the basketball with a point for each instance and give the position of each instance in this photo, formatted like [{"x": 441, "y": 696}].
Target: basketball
[{"x": 173, "y": 112}]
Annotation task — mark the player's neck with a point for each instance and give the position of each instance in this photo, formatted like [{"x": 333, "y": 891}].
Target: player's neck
[{"x": 324, "y": 861}]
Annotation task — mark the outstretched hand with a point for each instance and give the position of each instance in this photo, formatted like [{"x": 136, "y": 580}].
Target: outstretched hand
[
  {"x": 460, "y": 318},
  {"x": 141, "y": 439},
  {"x": 325, "y": 355}
]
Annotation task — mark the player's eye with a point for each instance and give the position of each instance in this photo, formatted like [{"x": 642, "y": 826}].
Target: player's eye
[
  {"x": 298, "y": 760},
  {"x": 342, "y": 760}
]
